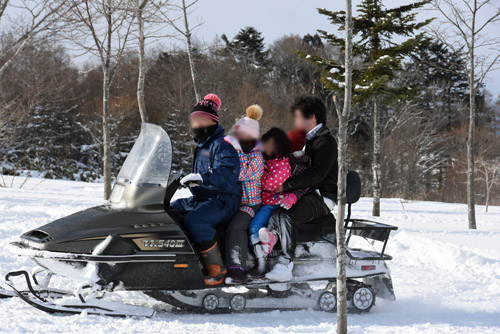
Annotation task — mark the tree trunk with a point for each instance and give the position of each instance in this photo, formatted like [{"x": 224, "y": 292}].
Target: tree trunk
[
  {"x": 470, "y": 162},
  {"x": 142, "y": 66},
  {"x": 472, "y": 127},
  {"x": 106, "y": 141},
  {"x": 340, "y": 231},
  {"x": 376, "y": 160},
  {"x": 19, "y": 49},
  {"x": 192, "y": 67},
  {"x": 342, "y": 176},
  {"x": 487, "y": 198}
]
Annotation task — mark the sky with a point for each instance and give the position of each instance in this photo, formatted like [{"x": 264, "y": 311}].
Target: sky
[{"x": 275, "y": 18}]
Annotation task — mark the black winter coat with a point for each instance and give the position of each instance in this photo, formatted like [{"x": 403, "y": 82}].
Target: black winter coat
[{"x": 322, "y": 149}]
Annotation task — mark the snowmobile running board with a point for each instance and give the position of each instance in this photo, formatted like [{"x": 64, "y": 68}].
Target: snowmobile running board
[{"x": 34, "y": 299}]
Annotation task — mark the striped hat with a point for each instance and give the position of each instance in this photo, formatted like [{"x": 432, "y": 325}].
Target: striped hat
[{"x": 209, "y": 107}]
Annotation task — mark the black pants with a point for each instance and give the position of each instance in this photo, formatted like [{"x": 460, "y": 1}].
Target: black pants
[
  {"x": 237, "y": 239},
  {"x": 285, "y": 222}
]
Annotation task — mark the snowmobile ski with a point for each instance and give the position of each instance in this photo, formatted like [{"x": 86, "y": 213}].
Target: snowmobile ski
[
  {"x": 40, "y": 303},
  {"x": 44, "y": 293},
  {"x": 6, "y": 293}
]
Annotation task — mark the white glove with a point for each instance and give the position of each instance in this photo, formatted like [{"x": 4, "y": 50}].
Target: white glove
[
  {"x": 233, "y": 141},
  {"x": 298, "y": 154},
  {"x": 192, "y": 180}
]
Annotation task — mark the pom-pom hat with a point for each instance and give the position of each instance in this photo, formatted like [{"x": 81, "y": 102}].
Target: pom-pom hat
[
  {"x": 250, "y": 123},
  {"x": 208, "y": 107}
]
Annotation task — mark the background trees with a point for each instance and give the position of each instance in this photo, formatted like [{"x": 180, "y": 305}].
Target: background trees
[
  {"x": 467, "y": 33},
  {"x": 51, "y": 108},
  {"x": 186, "y": 30},
  {"x": 379, "y": 59},
  {"x": 109, "y": 26},
  {"x": 32, "y": 18}
]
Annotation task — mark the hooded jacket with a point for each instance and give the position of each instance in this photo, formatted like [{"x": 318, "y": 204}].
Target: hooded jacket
[
  {"x": 276, "y": 171},
  {"x": 218, "y": 164},
  {"x": 251, "y": 170}
]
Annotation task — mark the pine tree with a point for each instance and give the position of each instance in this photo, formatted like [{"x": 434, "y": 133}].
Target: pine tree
[
  {"x": 313, "y": 41},
  {"x": 248, "y": 49},
  {"x": 440, "y": 73},
  {"x": 378, "y": 60}
]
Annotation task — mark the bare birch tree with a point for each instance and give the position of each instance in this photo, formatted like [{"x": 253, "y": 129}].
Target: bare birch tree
[
  {"x": 376, "y": 170},
  {"x": 186, "y": 31},
  {"x": 139, "y": 6},
  {"x": 145, "y": 11},
  {"x": 488, "y": 172},
  {"x": 423, "y": 148},
  {"x": 463, "y": 28},
  {"x": 32, "y": 17},
  {"x": 11, "y": 116},
  {"x": 102, "y": 28},
  {"x": 343, "y": 117}
]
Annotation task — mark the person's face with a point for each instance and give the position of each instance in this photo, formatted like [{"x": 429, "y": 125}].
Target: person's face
[
  {"x": 303, "y": 123},
  {"x": 199, "y": 121},
  {"x": 242, "y": 136},
  {"x": 269, "y": 147}
]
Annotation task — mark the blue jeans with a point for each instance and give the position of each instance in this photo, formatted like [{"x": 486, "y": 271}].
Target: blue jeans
[{"x": 259, "y": 221}]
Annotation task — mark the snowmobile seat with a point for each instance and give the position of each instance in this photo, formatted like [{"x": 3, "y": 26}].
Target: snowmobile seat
[{"x": 316, "y": 229}]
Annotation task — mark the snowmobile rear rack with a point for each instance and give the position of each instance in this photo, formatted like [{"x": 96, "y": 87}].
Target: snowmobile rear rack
[{"x": 369, "y": 230}]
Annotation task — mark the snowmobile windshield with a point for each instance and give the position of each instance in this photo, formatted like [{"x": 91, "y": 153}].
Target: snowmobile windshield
[{"x": 150, "y": 159}]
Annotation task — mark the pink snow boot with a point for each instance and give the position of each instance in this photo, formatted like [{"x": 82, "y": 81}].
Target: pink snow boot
[{"x": 268, "y": 240}]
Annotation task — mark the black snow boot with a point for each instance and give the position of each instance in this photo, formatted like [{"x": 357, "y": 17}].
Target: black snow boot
[{"x": 236, "y": 276}]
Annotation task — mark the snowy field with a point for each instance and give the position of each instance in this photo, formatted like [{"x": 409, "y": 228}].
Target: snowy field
[{"x": 446, "y": 278}]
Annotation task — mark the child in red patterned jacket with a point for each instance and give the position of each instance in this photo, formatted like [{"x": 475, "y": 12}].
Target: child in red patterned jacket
[{"x": 277, "y": 170}]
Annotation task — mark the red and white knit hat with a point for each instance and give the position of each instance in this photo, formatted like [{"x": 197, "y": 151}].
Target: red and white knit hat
[{"x": 250, "y": 123}]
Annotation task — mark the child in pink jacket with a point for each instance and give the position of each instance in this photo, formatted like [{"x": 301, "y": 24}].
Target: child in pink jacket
[{"x": 276, "y": 150}]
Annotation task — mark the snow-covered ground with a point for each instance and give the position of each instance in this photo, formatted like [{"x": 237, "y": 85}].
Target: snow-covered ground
[{"x": 446, "y": 277}]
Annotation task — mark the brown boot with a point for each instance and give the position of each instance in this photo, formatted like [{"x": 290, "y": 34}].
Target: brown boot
[{"x": 213, "y": 264}]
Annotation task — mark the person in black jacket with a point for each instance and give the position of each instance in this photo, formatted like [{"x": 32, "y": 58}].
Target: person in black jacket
[{"x": 309, "y": 115}]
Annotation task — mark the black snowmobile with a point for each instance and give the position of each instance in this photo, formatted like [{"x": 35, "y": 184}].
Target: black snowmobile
[{"x": 135, "y": 242}]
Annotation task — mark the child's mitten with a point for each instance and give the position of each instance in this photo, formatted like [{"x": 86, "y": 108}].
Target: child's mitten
[{"x": 287, "y": 201}]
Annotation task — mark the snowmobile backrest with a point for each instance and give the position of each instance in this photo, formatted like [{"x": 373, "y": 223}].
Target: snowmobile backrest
[{"x": 353, "y": 189}]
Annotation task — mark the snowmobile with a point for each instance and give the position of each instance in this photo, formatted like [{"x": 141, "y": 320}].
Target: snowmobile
[{"x": 136, "y": 242}]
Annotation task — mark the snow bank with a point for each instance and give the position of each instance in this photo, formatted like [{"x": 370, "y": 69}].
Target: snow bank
[{"x": 446, "y": 277}]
